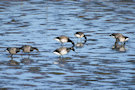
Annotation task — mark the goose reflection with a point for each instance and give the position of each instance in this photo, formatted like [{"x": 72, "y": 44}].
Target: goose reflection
[
  {"x": 62, "y": 62},
  {"x": 80, "y": 44},
  {"x": 119, "y": 47},
  {"x": 27, "y": 61},
  {"x": 13, "y": 62}
]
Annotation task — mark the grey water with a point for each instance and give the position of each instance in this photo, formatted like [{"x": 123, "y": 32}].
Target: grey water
[{"x": 95, "y": 65}]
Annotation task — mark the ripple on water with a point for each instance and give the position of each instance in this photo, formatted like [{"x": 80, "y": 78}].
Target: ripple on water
[{"x": 96, "y": 64}]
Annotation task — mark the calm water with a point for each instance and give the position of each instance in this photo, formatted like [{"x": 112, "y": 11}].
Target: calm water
[{"x": 96, "y": 65}]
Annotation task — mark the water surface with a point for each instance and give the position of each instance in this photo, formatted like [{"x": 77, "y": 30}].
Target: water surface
[{"x": 96, "y": 63}]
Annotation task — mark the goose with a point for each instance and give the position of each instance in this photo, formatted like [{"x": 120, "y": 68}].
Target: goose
[
  {"x": 64, "y": 39},
  {"x": 28, "y": 48},
  {"x": 62, "y": 50},
  {"x": 119, "y": 37},
  {"x": 80, "y": 35},
  {"x": 13, "y": 50}
]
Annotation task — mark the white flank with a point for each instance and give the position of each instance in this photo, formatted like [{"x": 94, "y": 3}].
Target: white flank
[
  {"x": 122, "y": 39},
  {"x": 113, "y": 36},
  {"x": 63, "y": 40},
  {"x": 56, "y": 53},
  {"x": 57, "y": 39},
  {"x": 127, "y": 39},
  {"x": 7, "y": 51},
  {"x": 63, "y": 52},
  {"x": 77, "y": 35}
]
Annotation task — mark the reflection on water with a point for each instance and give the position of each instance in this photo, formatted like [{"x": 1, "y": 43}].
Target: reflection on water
[
  {"x": 62, "y": 62},
  {"x": 13, "y": 62},
  {"x": 80, "y": 44},
  {"x": 96, "y": 65},
  {"x": 119, "y": 47},
  {"x": 27, "y": 61}
]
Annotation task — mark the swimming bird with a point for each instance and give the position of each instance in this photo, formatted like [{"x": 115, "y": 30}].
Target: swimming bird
[
  {"x": 119, "y": 37},
  {"x": 28, "y": 48},
  {"x": 62, "y": 51},
  {"x": 80, "y": 35},
  {"x": 13, "y": 50},
  {"x": 64, "y": 39}
]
